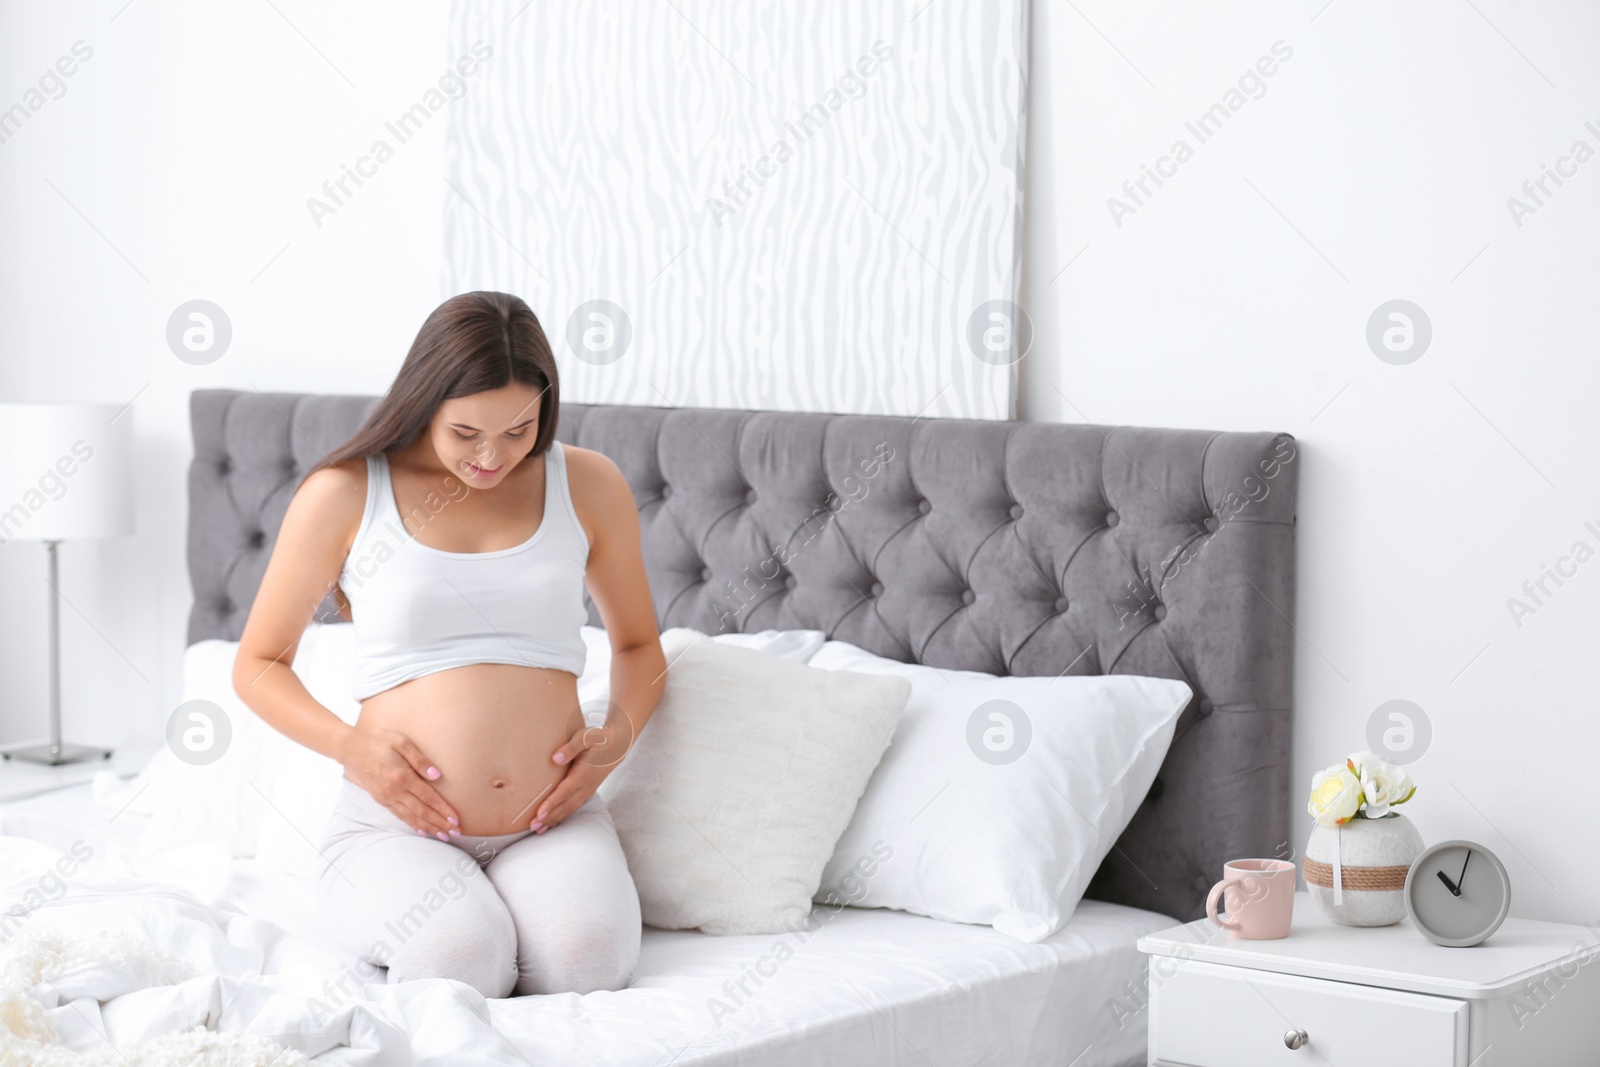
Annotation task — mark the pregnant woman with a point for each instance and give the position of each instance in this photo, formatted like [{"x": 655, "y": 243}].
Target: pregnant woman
[{"x": 457, "y": 534}]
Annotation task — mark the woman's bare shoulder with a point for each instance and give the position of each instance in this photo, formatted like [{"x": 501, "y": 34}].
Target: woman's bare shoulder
[
  {"x": 331, "y": 498},
  {"x": 600, "y": 494},
  {"x": 596, "y": 477}
]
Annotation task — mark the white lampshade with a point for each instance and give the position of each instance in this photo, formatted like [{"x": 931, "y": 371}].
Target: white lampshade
[{"x": 66, "y": 471}]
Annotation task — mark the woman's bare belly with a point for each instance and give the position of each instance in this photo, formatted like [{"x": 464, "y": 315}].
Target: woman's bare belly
[{"x": 491, "y": 729}]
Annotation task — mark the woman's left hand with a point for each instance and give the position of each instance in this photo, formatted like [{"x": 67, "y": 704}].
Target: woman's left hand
[{"x": 589, "y": 757}]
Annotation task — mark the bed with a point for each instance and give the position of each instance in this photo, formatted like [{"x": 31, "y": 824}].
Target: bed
[{"x": 1004, "y": 547}]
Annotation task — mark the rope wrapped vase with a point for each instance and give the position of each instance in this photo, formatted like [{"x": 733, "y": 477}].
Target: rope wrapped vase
[{"x": 1356, "y": 872}]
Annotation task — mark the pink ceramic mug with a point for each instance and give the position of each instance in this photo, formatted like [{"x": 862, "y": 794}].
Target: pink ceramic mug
[{"x": 1260, "y": 898}]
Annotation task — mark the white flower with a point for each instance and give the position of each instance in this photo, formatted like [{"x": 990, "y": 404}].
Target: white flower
[
  {"x": 1383, "y": 785},
  {"x": 1335, "y": 796}
]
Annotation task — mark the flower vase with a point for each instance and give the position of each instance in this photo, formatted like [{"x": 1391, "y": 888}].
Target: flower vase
[{"x": 1373, "y": 857}]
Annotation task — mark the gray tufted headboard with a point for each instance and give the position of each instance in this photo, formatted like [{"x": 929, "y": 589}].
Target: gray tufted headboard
[{"x": 1007, "y": 547}]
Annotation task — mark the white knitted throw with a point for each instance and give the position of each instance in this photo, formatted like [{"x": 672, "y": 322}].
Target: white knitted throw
[{"x": 28, "y": 1036}]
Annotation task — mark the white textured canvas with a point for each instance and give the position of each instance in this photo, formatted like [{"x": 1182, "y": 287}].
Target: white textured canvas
[{"x": 798, "y": 207}]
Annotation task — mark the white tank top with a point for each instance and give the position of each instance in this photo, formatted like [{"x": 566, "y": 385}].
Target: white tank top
[{"x": 418, "y": 609}]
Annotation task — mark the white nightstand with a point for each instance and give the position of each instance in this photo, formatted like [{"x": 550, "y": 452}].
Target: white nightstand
[{"x": 1527, "y": 997}]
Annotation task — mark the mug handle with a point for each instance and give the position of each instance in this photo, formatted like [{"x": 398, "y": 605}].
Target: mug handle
[{"x": 1211, "y": 903}]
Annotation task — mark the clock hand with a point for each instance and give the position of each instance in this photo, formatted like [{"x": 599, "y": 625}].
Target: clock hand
[
  {"x": 1445, "y": 878},
  {"x": 1460, "y": 877}
]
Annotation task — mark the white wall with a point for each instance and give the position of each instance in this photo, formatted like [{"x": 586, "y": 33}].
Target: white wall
[
  {"x": 1391, "y": 140},
  {"x": 1429, "y": 492},
  {"x": 191, "y": 140}
]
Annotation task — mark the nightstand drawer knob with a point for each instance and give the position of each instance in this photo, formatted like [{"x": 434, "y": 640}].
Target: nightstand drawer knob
[{"x": 1295, "y": 1038}]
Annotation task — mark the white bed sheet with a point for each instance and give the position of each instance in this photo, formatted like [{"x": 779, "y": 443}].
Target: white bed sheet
[{"x": 867, "y": 987}]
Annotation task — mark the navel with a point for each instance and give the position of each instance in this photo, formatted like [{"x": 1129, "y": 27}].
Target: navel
[{"x": 499, "y": 783}]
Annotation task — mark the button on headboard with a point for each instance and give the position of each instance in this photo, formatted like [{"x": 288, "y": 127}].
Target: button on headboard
[{"x": 1007, "y": 547}]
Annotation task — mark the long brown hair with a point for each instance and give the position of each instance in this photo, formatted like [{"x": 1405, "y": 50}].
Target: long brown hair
[{"x": 471, "y": 343}]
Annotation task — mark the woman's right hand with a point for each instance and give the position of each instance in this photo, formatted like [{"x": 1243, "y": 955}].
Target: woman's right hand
[{"x": 393, "y": 770}]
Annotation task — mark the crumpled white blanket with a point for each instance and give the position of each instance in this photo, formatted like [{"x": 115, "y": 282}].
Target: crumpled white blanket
[
  {"x": 116, "y": 970},
  {"x": 29, "y": 1038}
]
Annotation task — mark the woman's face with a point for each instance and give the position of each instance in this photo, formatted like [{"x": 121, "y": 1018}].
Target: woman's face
[{"x": 481, "y": 437}]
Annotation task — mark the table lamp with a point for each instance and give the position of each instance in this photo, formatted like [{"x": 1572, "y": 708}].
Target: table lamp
[{"x": 66, "y": 472}]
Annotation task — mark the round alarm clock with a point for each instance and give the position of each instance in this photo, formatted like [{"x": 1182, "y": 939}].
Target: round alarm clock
[{"x": 1457, "y": 893}]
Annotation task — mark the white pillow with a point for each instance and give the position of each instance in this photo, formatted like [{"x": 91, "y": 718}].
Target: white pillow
[
  {"x": 303, "y": 784},
  {"x": 732, "y": 798},
  {"x": 265, "y": 791},
  {"x": 187, "y": 801},
  {"x": 228, "y": 799},
  {"x": 999, "y": 796}
]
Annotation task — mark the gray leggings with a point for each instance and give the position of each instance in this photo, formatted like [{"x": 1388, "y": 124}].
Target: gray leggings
[{"x": 513, "y": 914}]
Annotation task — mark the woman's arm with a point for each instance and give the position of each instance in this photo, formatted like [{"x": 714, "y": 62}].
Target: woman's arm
[
  {"x": 313, "y": 541},
  {"x": 620, "y": 588}
]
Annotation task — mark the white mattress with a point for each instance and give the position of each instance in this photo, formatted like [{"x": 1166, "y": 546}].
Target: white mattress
[{"x": 868, "y": 987}]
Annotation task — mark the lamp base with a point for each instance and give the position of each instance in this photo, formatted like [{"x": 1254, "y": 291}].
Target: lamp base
[{"x": 54, "y": 755}]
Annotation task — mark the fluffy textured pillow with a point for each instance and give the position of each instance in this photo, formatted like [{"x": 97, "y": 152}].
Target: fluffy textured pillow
[
  {"x": 736, "y": 791},
  {"x": 999, "y": 796}
]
